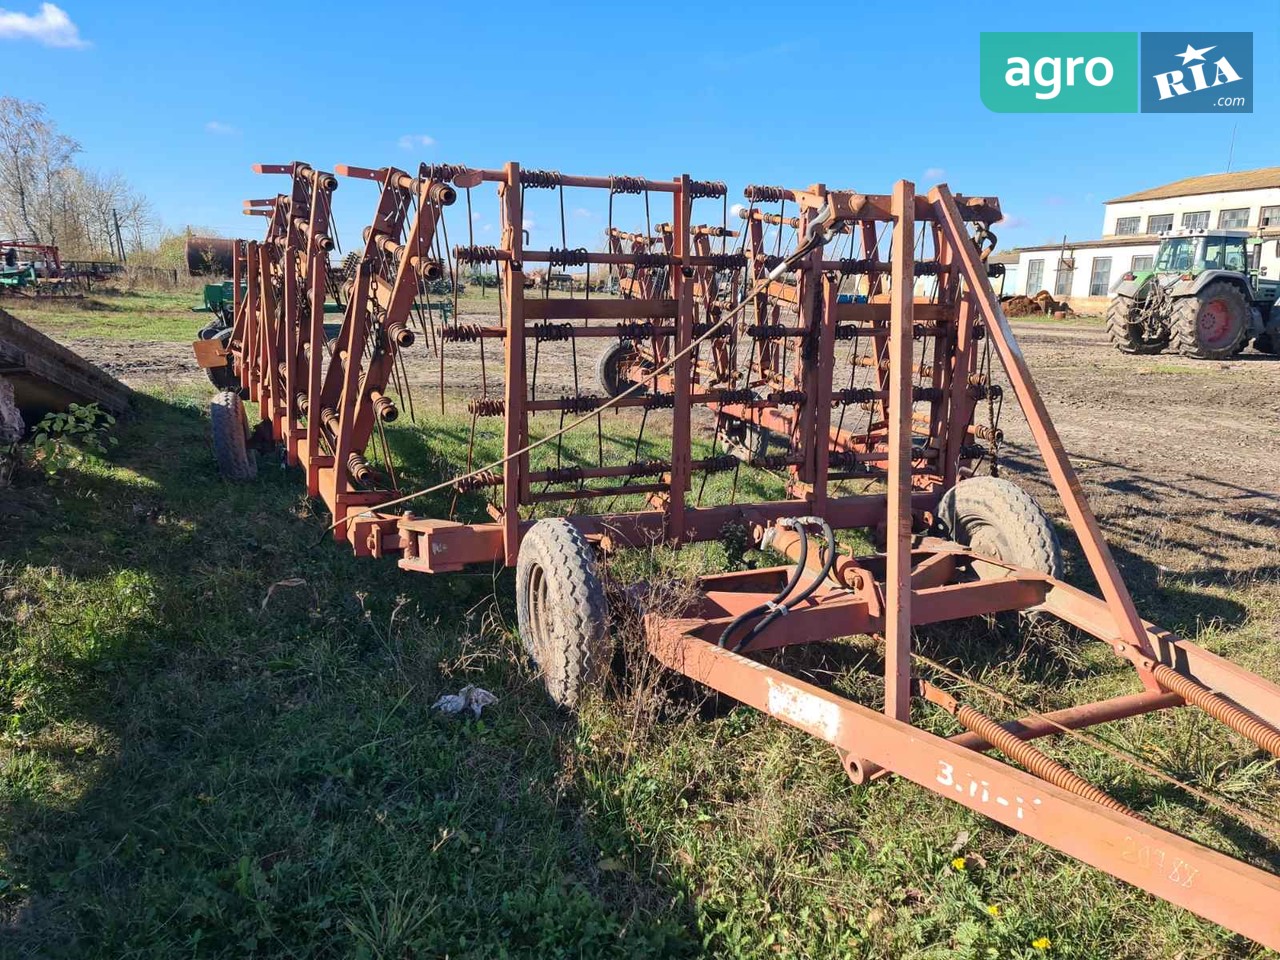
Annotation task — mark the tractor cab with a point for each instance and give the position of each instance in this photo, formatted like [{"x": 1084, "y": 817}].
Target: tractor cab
[{"x": 1194, "y": 251}]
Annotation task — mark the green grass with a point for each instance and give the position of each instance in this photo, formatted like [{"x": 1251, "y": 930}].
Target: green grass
[
  {"x": 217, "y": 739},
  {"x": 116, "y": 315}
]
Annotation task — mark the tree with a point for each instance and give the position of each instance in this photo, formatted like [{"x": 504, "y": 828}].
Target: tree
[
  {"x": 34, "y": 159},
  {"x": 46, "y": 197}
]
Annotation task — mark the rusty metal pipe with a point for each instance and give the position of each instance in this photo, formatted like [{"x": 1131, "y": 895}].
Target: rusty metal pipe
[{"x": 1076, "y": 718}]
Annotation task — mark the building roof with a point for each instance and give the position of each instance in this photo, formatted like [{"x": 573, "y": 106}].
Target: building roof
[
  {"x": 1210, "y": 183},
  {"x": 1128, "y": 240},
  {"x": 1004, "y": 256}
]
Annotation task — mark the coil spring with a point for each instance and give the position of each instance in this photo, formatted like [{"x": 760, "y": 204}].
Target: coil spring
[
  {"x": 567, "y": 256},
  {"x": 707, "y": 188},
  {"x": 486, "y": 406},
  {"x": 564, "y": 475},
  {"x": 766, "y": 194},
  {"x": 787, "y": 396},
  {"x": 972, "y": 451},
  {"x": 745, "y": 395},
  {"x": 626, "y": 185},
  {"x": 546, "y": 330},
  {"x": 462, "y": 333},
  {"x": 927, "y": 268},
  {"x": 857, "y": 395},
  {"x": 1221, "y": 709},
  {"x": 648, "y": 468},
  {"x": 926, "y": 393},
  {"x": 636, "y": 329},
  {"x": 702, "y": 328},
  {"x": 978, "y": 391},
  {"x": 844, "y": 460},
  {"x": 441, "y": 171},
  {"x": 485, "y": 478},
  {"x": 541, "y": 179},
  {"x": 645, "y": 261},
  {"x": 727, "y": 261},
  {"x": 766, "y": 331},
  {"x": 986, "y": 433},
  {"x": 476, "y": 254},
  {"x": 849, "y": 265},
  {"x": 770, "y": 261},
  {"x": 772, "y": 461},
  {"x": 721, "y": 464},
  {"x": 580, "y": 403},
  {"x": 660, "y": 401}
]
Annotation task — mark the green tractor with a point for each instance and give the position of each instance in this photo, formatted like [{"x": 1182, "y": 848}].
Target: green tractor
[{"x": 1205, "y": 298}]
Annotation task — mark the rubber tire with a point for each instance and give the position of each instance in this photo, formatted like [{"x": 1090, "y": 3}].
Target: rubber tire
[
  {"x": 1182, "y": 324},
  {"x": 1127, "y": 336},
  {"x": 607, "y": 375},
  {"x": 231, "y": 437},
  {"x": 224, "y": 377},
  {"x": 561, "y": 610},
  {"x": 1000, "y": 520}
]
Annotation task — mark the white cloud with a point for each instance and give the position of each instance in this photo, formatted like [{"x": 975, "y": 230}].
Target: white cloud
[
  {"x": 582, "y": 212},
  {"x": 1011, "y": 222},
  {"x": 220, "y": 128},
  {"x": 934, "y": 173},
  {"x": 51, "y": 27},
  {"x": 530, "y": 224},
  {"x": 411, "y": 141}
]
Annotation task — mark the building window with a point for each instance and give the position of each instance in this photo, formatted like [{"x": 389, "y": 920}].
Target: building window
[
  {"x": 1141, "y": 264},
  {"x": 1127, "y": 225},
  {"x": 1035, "y": 277},
  {"x": 1100, "y": 278},
  {"x": 1066, "y": 273},
  {"x": 1160, "y": 223},
  {"x": 1196, "y": 221},
  {"x": 1228, "y": 219},
  {"x": 1269, "y": 217}
]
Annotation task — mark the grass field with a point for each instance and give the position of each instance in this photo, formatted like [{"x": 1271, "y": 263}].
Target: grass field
[{"x": 218, "y": 740}]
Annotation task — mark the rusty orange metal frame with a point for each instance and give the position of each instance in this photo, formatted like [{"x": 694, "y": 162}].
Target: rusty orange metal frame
[{"x": 324, "y": 399}]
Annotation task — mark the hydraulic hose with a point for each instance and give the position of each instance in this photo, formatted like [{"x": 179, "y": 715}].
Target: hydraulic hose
[
  {"x": 785, "y": 592},
  {"x": 791, "y": 602}
]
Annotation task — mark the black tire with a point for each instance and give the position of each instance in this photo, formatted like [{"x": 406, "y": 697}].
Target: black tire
[
  {"x": 1127, "y": 335},
  {"x": 231, "y": 437},
  {"x": 1187, "y": 320},
  {"x": 561, "y": 610},
  {"x": 998, "y": 519},
  {"x": 608, "y": 368},
  {"x": 224, "y": 377},
  {"x": 1266, "y": 343}
]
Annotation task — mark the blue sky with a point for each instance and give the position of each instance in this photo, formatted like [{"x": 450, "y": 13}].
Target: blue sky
[{"x": 183, "y": 97}]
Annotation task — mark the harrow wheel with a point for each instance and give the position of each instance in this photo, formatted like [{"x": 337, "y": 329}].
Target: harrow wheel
[
  {"x": 1127, "y": 331},
  {"x": 231, "y": 437},
  {"x": 1212, "y": 325},
  {"x": 609, "y": 368},
  {"x": 560, "y": 607},
  {"x": 1000, "y": 520}
]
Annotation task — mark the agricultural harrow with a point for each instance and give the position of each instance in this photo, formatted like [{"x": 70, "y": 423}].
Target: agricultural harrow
[{"x": 825, "y": 359}]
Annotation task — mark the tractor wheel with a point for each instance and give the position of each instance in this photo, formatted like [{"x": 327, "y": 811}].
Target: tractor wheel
[
  {"x": 1213, "y": 324},
  {"x": 561, "y": 610},
  {"x": 609, "y": 368},
  {"x": 1127, "y": 333},
  {"x": 224, "y": 377},
  {"x": 998, "y": 519},
  {"x": 231, "y": 437}
]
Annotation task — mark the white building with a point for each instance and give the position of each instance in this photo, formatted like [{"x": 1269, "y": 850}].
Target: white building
[{"x": 1131, "y": 229}]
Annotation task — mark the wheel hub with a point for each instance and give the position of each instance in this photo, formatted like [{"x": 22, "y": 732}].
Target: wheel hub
[{"x": 1214, "y": 325}]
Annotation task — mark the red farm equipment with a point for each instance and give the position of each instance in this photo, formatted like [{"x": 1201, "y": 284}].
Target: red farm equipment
[{"x": 840, "y": 346}]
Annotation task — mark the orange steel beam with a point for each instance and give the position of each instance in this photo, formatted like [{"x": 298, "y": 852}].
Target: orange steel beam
[{"x": 897, "y": 634}]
